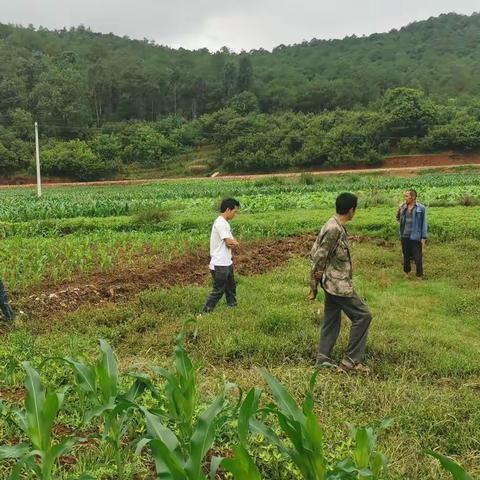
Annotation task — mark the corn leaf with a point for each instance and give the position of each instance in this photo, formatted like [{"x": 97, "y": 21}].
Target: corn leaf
[{"x": 458, "y": 473}]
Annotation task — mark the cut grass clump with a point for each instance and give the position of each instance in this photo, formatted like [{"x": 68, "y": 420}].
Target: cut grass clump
[{"x": 151, "y": 216}]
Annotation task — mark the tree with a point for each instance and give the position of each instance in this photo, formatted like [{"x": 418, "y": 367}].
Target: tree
[
  {"x": 244, "y": 103},
  {"x": 245, "y": 74},
  {"x": 410, "y": 111}
]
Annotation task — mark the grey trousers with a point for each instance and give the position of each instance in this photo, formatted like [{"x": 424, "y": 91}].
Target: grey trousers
[
  {"x": 360, "y": 316},
  {"x": 223, "y": 283},
  {"x": 5, "y": 307}
]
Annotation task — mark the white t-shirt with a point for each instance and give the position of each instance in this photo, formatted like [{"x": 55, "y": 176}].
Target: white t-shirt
[{"x": 220, "y": 254}]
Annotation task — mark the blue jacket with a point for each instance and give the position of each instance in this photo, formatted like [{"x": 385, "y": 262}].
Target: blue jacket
[{"x": 419, "y": 221}]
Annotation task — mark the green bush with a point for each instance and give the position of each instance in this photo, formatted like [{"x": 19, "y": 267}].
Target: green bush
[
  {"x": 463, "y": 133},
  {"x": 145, "y": 145},
  {"x": 75, "y": 159},
  {"x": 107, "y": 147}
]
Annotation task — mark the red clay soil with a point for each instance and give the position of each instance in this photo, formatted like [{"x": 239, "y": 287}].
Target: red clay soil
[
  {"x": 437, "y": 160},
  {"x": 408, "y": 163}
]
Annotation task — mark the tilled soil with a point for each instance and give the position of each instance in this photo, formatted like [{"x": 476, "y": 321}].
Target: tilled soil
[{"x": 253, "y": 259}]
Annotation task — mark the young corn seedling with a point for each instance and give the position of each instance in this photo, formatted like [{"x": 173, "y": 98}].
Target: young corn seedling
[
  {"x": 306, "y": 448},
  {"x": 299, "y": 425},
  {"x": 177, "y": 461},
  {"x": 180, "y": 392},
  {"x": 366, "y": 462},
  {"x": 36, "y": 420},
  {"x": 241, "y": 465},
  {"x": 99, "y": 387},
  {"x": 458, "y": 473}
]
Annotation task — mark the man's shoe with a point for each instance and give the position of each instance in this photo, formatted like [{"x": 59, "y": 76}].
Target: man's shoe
[
  {"x": 347, "y": 366},
  {"x": 327, "y": 365},
  {"x": 325, "y": 362}
]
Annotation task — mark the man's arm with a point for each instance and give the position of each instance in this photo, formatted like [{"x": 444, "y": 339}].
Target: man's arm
[
  {"x": 321, "y": 250},
  {"x": 425, "y": 225},
  {"x": 231, "y": 242},
  {"x": 398, "y": 211}
]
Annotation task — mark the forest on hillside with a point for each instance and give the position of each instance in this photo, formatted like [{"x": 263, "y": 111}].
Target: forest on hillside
[{"x": 103, "y": 101}]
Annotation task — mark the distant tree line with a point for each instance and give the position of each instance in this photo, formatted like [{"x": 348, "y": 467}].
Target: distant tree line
[{"x": 102, "y": 101}]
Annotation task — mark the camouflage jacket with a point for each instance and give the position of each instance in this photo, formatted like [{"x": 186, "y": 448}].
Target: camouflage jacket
[{"x": 331, "y": 261}]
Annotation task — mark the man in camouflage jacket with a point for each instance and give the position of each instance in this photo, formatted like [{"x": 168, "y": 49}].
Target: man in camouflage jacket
[{"x": 331, "y": 266}]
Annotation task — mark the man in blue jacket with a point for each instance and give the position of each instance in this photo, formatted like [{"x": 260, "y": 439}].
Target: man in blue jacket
[
  {"x": 5, "y": 307},
  {"x": 413, "y": 232}
]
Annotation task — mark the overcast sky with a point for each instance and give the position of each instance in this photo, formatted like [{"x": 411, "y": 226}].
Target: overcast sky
[{"x": 238, "y": 24}]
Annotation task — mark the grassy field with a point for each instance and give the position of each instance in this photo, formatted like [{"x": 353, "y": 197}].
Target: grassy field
[{"x": 152, "y": 239}]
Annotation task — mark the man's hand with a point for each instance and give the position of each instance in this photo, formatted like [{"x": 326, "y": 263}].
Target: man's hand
[
  {"x": 231, "y": 243},
  {"x": 318, "y": 275},
  {"x": 312, "y": 295},
  {"x": 424, "y": 242}
]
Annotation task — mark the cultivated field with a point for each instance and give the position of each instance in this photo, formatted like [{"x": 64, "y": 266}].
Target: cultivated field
[{"x": 129, "y": 265}]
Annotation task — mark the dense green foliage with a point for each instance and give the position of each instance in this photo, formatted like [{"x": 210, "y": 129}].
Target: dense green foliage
[{"x": 320, "y": 102}]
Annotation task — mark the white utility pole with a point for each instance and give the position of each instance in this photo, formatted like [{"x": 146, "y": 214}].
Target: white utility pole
[{"x": 37, "y": 157}]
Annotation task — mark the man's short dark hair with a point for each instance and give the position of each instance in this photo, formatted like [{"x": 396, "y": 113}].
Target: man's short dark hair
[
  {"x": 412, "y": 192},
  {"x": 345, "y": 201},
  {"x": 229, "y": 204}
]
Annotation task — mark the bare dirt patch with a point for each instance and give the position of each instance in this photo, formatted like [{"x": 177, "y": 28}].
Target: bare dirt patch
[
  {"x": 14, "y": 395},
  {"x": 252, "y": 259}
]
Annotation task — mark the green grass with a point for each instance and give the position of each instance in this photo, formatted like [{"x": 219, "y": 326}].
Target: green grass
[
  {"x": 424, "y": 340},
  {"x": 423, "y": 349}
]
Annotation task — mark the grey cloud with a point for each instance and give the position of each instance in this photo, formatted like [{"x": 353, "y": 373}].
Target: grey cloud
[{"x": 240, "y": 24}]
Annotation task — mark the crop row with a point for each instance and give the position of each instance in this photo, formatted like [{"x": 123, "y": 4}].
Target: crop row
[
  {"x": 258, "y": 196},
  {"x": 181, "y": 437}
]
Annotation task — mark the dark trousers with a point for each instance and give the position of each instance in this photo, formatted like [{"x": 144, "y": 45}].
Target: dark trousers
[
  {"x": 223, "y": 283},
  {"x": 360, "y": 316},
  {"x": 5, "y": 307},
  {"x": 412, "y": 249}
]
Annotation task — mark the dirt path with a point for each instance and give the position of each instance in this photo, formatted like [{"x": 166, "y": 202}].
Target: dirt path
[{"x": 402, "y": 165}]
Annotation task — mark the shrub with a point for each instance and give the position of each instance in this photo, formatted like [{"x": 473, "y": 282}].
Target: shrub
[
  {"x": 106, "y": 147},
  {"x": 145, "y": 145},
  {"x": 75, "y": 159}
]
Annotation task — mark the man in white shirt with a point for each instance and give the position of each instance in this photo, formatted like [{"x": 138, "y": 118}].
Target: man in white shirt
[{"x": 222, "y": 242}]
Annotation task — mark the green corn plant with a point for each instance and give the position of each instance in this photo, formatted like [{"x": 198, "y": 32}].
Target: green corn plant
[
  {"x": 242, "y": 465},
  {"x": 458, "y": 473},
  {"x": 366, "y": 461},
  {"x": 98, "y": 384},
  {"x": 306, "y": 446},
  {"x": 300, "y": 426},
  {"x": 36, "y": 420},
  {"x": 182, "y": 462},
  {"x": 180, "y": 391}
]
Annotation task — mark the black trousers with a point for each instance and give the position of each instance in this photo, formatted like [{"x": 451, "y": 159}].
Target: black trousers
[
  {"x": 360, "y": 316},
  {"x": 223, "y": 283},
  {"x": 5, "y": 307},
  {"x": 412, "y": 250}
]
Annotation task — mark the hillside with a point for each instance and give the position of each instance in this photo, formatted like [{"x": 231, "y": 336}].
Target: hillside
[
  {"x": 102, "y": 77},
  {"x": 104, "y": 102}
]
